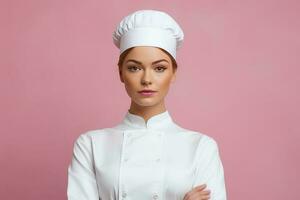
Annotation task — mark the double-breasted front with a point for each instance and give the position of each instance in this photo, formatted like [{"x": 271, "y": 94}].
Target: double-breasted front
[{"x": 138, "y": 160}]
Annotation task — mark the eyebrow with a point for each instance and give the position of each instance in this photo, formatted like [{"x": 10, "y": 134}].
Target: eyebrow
[{"x": 138, "y": 62}]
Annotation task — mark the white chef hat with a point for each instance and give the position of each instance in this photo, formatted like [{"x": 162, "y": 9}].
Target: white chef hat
[{"x": 148, "y": 28}]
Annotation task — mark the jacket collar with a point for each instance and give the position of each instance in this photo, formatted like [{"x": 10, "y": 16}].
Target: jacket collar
[{"x": 156, "y": 122}]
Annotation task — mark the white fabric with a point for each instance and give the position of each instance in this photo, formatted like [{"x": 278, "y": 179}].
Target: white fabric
[
  {"x": 148, "y": 28},
  {"x": 140, "y": 160}
]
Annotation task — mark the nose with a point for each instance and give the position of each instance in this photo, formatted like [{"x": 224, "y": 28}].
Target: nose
[{"x": 146, "y": 78}]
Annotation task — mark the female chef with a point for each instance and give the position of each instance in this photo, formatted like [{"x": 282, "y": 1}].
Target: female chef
[{"x": 147, "y": 155}]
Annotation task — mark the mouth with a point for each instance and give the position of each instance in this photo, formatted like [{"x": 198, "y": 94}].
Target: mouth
[{"x": 147, "y": 92}]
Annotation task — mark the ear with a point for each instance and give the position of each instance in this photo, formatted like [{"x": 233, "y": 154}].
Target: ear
[
  {"x": 120, "y": 75},
  {"x": 173, "y": 76}
]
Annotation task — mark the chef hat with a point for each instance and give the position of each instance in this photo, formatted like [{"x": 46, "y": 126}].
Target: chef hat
[{"x": 148, "y": 28}]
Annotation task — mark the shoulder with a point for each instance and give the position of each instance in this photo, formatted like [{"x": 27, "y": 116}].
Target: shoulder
[
  {"x": 87, "y": 137},
  {"x": 207, "y": 147},
  {"x": 209, "y": 141},
  {"x": 203, "y": 138},
  {"x": 205, "y": 141}
]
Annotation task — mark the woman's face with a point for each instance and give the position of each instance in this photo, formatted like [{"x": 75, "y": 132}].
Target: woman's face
[{"x": 147, "y": 68}]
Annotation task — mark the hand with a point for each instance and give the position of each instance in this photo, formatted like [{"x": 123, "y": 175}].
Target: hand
[{"x": 198, "y": 193}]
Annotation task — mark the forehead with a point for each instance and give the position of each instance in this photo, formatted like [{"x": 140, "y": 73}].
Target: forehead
[{"x": 147, "y": 53}]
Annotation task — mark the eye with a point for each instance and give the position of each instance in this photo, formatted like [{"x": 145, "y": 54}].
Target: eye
[
  {"x": 160, "y": 68},
  {"x": 133, "y": 68}
]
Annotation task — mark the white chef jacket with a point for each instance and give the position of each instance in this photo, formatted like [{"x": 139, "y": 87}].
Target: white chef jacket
[{"x": 138, "y": 160}]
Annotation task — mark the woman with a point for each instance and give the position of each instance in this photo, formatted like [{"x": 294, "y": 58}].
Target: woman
[{"x": 147, "y": 155}]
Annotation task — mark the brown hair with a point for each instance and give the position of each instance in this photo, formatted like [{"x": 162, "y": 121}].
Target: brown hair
[{"x": 124, "y": 54}]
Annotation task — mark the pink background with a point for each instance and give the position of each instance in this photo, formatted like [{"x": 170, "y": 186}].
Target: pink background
[{"x": 238, "y": 81}]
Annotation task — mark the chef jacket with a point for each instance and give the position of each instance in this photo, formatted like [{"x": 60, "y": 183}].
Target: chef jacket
[{"x": 140, "y": 160}]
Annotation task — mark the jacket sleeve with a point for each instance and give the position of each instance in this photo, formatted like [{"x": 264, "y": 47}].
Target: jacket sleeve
[
  {"x": 82, "y": 183},
  {"x": 210, "y": 169}
]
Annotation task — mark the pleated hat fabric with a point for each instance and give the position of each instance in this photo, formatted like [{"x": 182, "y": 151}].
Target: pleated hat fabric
[{"x": 149, "y": 28}]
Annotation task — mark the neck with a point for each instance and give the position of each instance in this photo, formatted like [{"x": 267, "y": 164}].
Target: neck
[{"x": 147, "y": 111}]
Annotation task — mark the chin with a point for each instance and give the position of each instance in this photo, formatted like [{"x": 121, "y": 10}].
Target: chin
[{"x": 146, "y": 102}]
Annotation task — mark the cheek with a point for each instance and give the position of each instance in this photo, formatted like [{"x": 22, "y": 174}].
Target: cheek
[
  {"x": 164, "y": 83},
  {"x": 130, "y": 83}
]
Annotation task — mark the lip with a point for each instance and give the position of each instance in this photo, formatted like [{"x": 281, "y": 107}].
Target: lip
[{"x": 147, "y": 92}]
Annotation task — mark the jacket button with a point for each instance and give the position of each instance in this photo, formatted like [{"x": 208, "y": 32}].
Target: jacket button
[
  {"x": 125, "y": 159},
  {"x": 158, "y": 160},
  {"x": 155, "y": 196},
  {"x": 124, "y": 194}
]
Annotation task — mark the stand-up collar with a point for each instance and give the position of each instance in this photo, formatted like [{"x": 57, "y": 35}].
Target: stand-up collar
[{"x": 157, "y": 121}]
